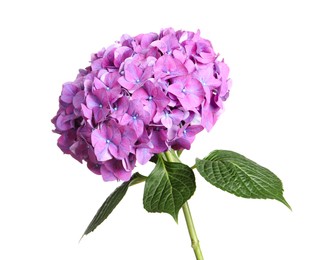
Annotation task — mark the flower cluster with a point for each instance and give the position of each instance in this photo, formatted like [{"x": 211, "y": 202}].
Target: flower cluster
[{"x": 140, "y": 97}]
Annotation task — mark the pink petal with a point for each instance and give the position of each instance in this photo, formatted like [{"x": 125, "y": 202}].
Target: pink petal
[
  {"x": 143, "y": 155},
  {"x": 167, "y": 121},
  {"x": 138, "y": 126},
  {"x": 79, "y": 99},
  {"x": 126, "y": 119},
  {"x": 167, "y": 67},
  {"x": 68, "y": 92},
  {"x": 132, "y": 72},
  {"x": 126, "y": 84},
  {"x": 86, "y": 111},
  {"x": 98, "y": 84},
  {"x": 107, "y": 172},
  {"x": 120, "y": 54}
]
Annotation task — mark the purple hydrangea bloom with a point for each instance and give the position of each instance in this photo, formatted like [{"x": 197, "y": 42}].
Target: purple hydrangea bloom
[{"x": 141, "y": 96}]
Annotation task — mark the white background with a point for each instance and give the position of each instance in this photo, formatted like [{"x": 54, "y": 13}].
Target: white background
[{"x": 278, "y": 114}]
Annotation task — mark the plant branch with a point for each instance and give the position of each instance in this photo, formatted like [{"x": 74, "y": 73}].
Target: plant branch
[
  {"x": 172, "y": 157},
  {"x": 192, "y": 232}
]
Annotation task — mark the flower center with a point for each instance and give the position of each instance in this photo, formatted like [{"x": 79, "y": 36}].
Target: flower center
[
  {"x": 108, "y": 141},
  {"x": 100, "y": 105},
  {"x": 166, "y": 71},
  {"x": 149, "y": 98}
]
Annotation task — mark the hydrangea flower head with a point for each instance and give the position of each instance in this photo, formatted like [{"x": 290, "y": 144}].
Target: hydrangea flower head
[{"x": 141, "y": 96}]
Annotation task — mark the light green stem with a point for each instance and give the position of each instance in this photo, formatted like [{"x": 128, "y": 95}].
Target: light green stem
[
  {"x": 171, "y": 157},
  {"x": 192, "y": 232}
]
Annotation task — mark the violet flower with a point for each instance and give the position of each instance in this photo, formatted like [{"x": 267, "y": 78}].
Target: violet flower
[
  {"x": 188, "y": 90},
  {"x": 141, "y": 96}
]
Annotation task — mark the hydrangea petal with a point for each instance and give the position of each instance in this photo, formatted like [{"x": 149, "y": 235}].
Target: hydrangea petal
[
  {"x": 167, "y": 67},
  {"x": 141, "y": 96},
  {"x": 68, "y": 92}
]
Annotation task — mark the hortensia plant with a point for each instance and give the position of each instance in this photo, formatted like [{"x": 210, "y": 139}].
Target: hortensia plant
[{"x": 143, "y": 99}]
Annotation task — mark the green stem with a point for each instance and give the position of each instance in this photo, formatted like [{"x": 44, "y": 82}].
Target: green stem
[
  {"x": 171, "y": 157},
  {"x": 192, "y": 232}
]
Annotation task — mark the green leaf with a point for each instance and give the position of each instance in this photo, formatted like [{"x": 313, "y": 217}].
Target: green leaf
[
  {"x": 154, "y": 158},
  {"x": 234, "y": 173},
  {"x": 168, "y": 187},
  {"x": 112, "y": 201}
]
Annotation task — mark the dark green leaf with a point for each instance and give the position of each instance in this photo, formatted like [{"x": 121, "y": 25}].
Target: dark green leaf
[
  {"x": 168, "y": 187},
  {"x": 154, "y": 158},
  {"x": 238, "y": 175},
  {"x": 112, "y": 201}
]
